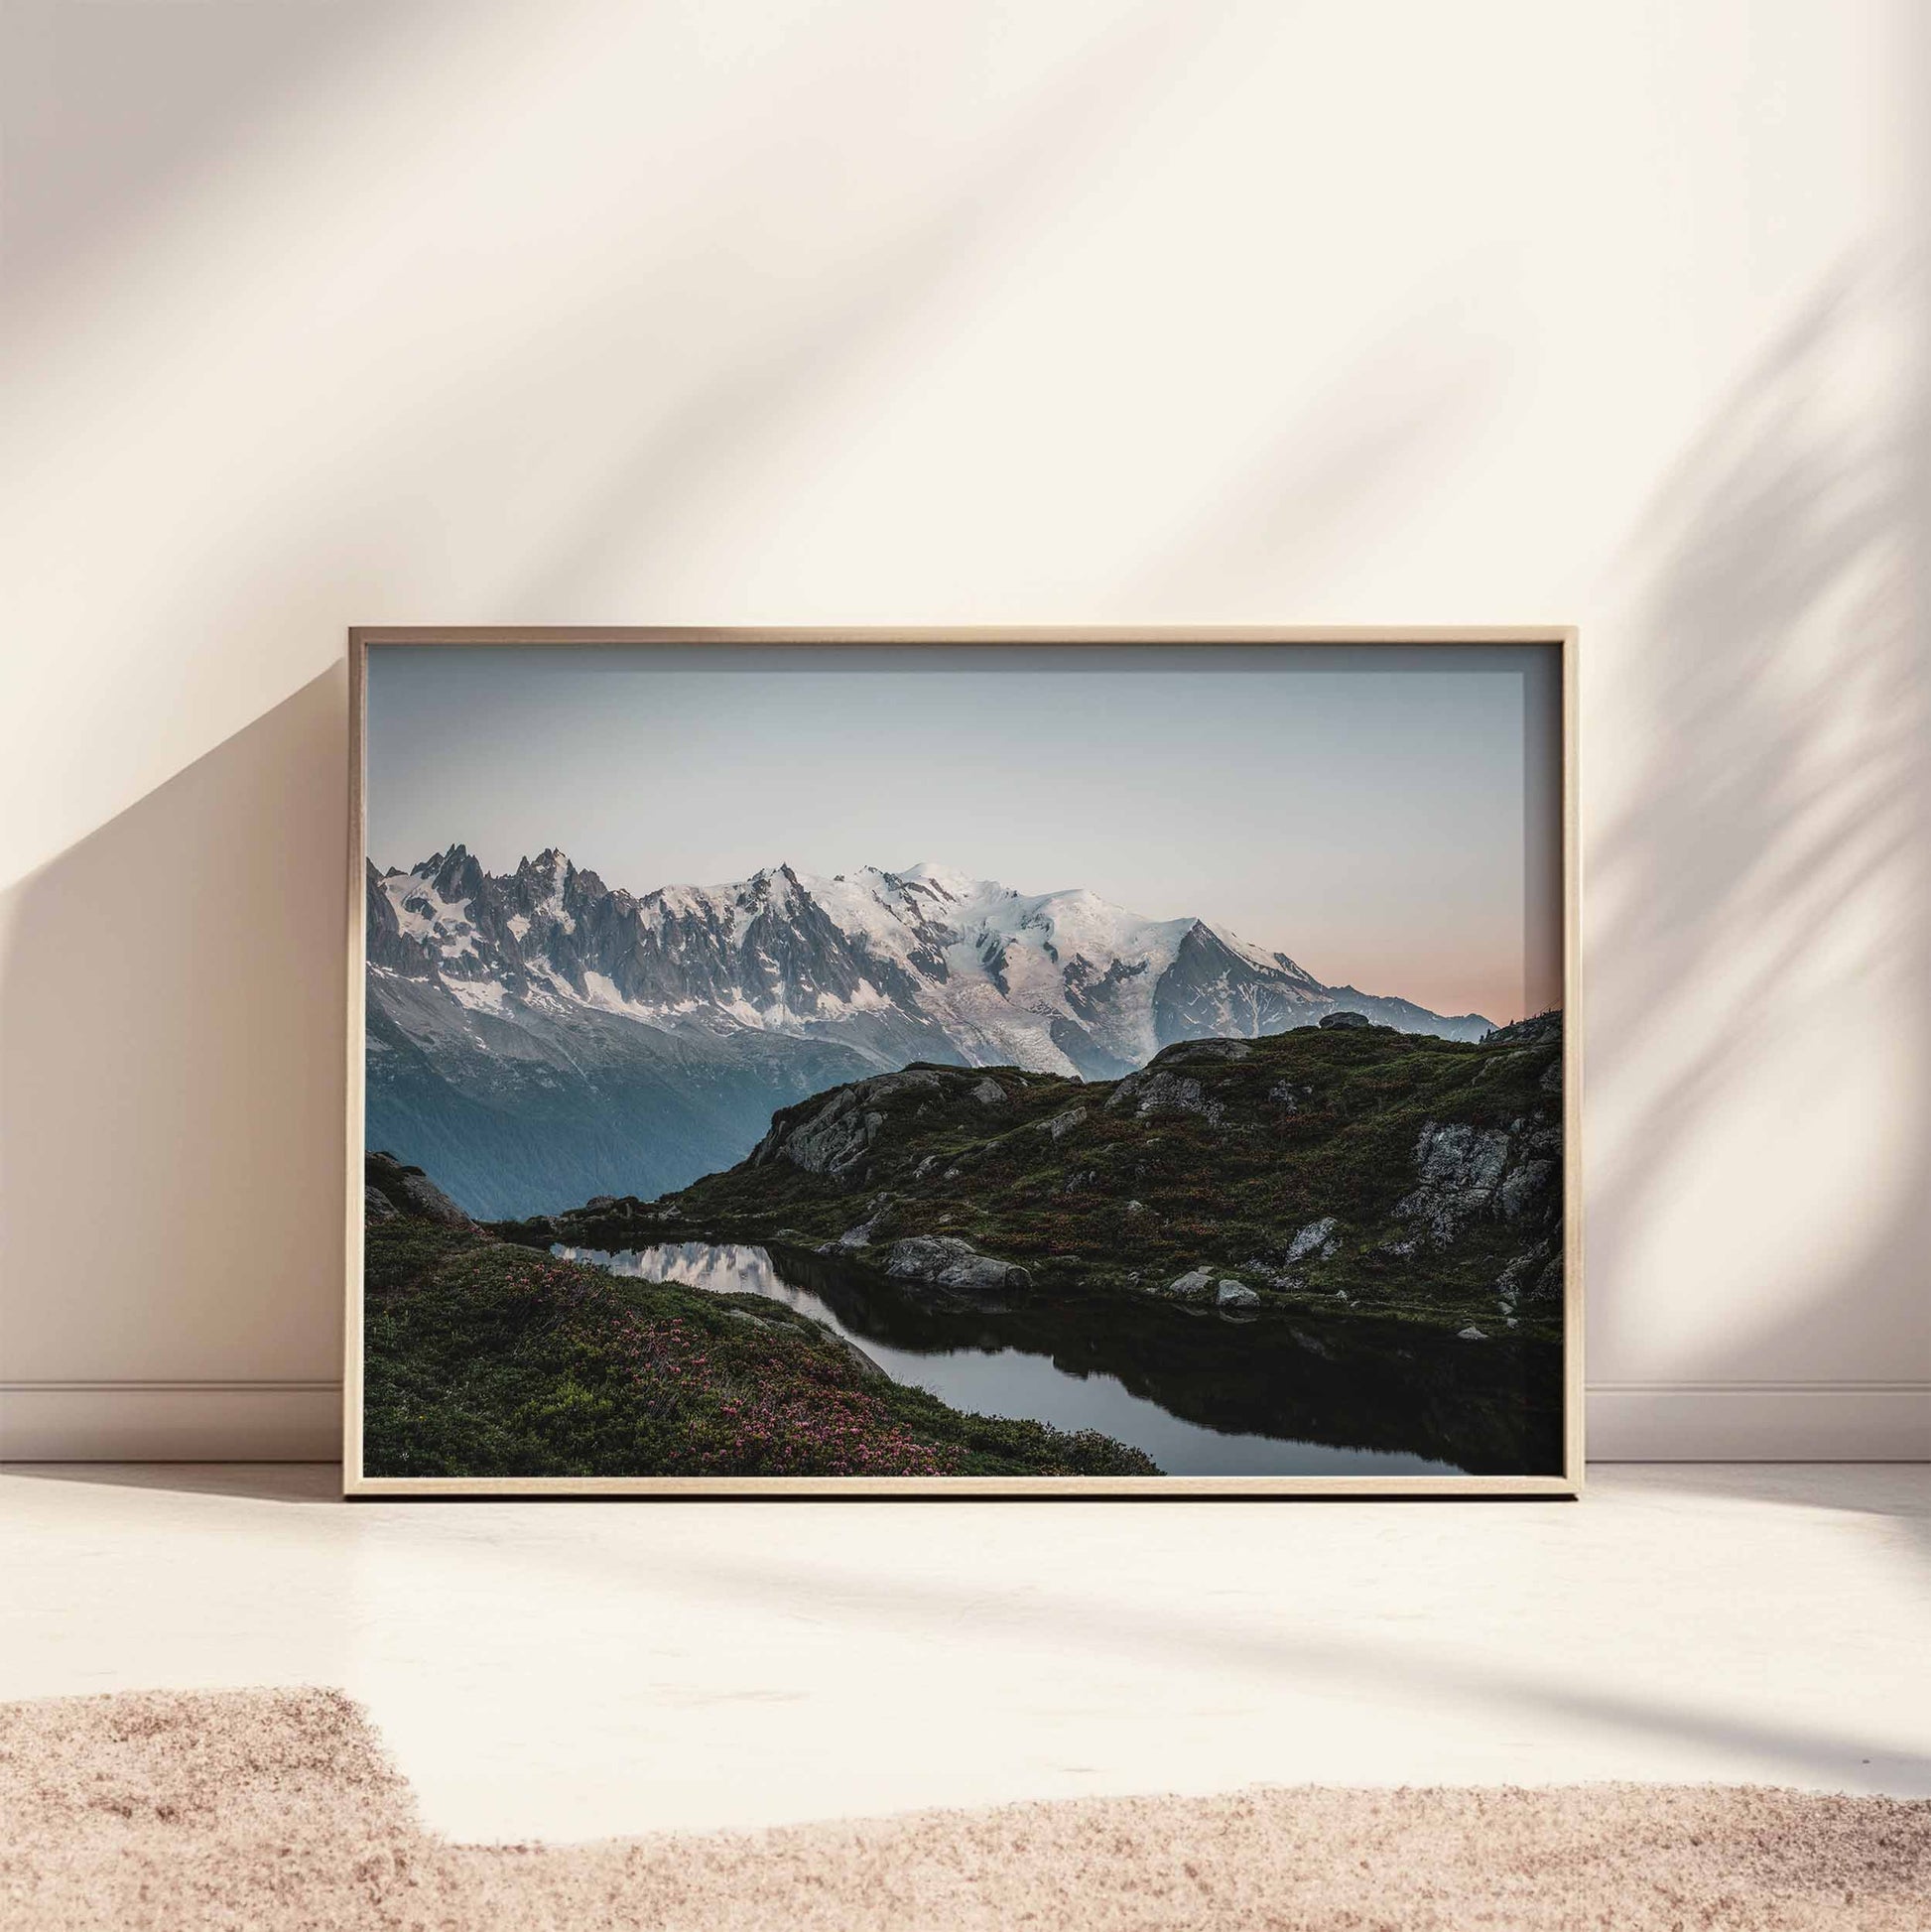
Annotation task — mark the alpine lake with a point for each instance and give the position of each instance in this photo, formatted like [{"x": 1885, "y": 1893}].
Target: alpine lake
[{"x": 1201, "y": 1391}]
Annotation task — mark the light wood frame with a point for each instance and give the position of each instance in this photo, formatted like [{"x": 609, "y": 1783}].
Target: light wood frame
[{"x": 1567, "y": 1485}]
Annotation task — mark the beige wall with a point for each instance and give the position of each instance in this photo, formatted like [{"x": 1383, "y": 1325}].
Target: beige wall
[{"x": 386, "y": 312}]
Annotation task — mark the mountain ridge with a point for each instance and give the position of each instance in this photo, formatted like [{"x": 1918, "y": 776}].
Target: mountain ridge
[
  {"x": 539, "y": 1035},
  {"x": 1340, "y": 1170}
]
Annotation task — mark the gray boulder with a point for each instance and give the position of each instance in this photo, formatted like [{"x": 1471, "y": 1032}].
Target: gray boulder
[
  {"x": 1195, "y": 1053},
  {"x": 947, "y": 1261},
  {"x": 909, "y": 1080},
  {"x": 376, "y": 1206},
  {"x": 1333, "y": 1020},
  {"x": 1235, "y": 1294},
  {"x": 1184, "y": 1287},
  {"x": 1316, "y": 1242}
]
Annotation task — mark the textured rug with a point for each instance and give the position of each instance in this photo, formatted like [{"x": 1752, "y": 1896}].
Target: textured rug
[{"x": 278, "y": 1809}]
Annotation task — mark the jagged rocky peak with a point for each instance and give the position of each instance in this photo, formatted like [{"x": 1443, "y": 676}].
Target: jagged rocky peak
[
  {"x": 548, "y": 872},
  {"x": 1064, "y": 980},
  {"x": 862, "y": 970},
  {"x": 455, "y": 874},
  {"x": 771, "y": 885},
  {"x": 1061, "y": 980}
]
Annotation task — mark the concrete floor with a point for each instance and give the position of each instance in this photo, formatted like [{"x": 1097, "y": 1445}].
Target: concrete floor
[{"x": 566, "y": 1670}]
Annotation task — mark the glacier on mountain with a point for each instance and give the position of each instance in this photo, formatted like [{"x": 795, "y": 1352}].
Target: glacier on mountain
[{"x": 538, "y": 1035}]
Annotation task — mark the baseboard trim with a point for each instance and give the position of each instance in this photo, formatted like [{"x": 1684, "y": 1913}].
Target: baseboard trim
[
  {"x": 301, "y": 1422},
  {"x": 171, "y": 1422},
  {"x": 1759, "y": 1422}
]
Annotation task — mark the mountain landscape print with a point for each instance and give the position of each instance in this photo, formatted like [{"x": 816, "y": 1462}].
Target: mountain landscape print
[{"x": 1189, "y": 1116}]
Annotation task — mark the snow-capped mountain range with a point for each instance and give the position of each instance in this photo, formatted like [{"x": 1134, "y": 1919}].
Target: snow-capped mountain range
[{"x": 539, "y": 1036}]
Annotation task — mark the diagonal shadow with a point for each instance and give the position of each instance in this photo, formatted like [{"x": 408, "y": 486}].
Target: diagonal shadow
[
  {"x": 1154, "y": 1636},
  {"x": 1069, "y": 127},
  {"x": 171, "y": 1071},
  {"x": 115, "y": 110},
  {"x": 171, "y": 995},
  {"x": 1378, "y": 438},
  {"x": 1769, "y": 870}
]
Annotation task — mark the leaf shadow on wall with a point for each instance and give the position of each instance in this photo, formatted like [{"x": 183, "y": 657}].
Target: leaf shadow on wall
[
  {"x": 1759, "y": 905},
  {"x": 171, "y": 1073}
]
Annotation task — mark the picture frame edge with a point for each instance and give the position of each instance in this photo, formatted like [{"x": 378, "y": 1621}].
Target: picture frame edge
[{"x": 1568, "y": 1484}]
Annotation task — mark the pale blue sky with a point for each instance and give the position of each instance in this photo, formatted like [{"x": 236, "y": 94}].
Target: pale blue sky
[{"x": 1366, "y": 809}]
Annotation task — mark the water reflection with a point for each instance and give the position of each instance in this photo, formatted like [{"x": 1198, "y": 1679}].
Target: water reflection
[{"x": 1201, "y": 1395}]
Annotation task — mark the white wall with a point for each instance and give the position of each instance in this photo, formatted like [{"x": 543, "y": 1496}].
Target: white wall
[{"x": 377, "y": 310}]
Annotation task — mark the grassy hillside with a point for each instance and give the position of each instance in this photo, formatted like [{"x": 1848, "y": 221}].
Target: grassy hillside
[
  {"x": 484, "y": 1359},
  {"x": 1333, "y": 1169}
]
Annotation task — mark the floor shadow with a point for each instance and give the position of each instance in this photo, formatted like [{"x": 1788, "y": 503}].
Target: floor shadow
[
  {"x": 245, "y": 1482},
  {"x": 172, "y": 1073},
  {"x": 859, "y": 1596},
  {"x": 1806, "y": 1752},
  {"x": 1896, "y": 1492}
]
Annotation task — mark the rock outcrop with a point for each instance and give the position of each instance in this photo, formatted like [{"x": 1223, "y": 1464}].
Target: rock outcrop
[
  {"x": 1195, "y": 1282},
  {"x": 1540, "y": 1030},
  {"x": 1343, "y": 1168},
  {"x": 1461, "y": 1169},
  {"x": 1316, "y": 1242},
  {"x": 406, "y": 1191},
  {"x": 1162, "y": 1090},
  {"x": 948, "y": 1262},
  {"x": 831, "y": 1133}
]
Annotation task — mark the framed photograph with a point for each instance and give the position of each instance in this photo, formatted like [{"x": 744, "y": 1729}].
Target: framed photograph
[{"x": 963, "y": 1062}]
